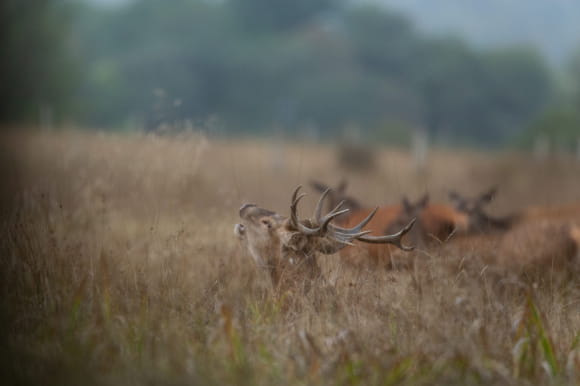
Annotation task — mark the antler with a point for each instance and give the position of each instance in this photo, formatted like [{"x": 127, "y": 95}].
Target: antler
[
  {"x": 342, "y": 235},
  {"x": 395, "y": 239},
  {"x": 322, "y": 227}
]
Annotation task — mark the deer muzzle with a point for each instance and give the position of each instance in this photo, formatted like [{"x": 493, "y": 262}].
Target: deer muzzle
[{"x": 240, "y": 231}]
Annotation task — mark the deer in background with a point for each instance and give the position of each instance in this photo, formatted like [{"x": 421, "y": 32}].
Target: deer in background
[
  {"x": 287, "y": 247},
  {"x": 435, "y": 222},
  {"x": 479, "y": 221},
  {"x": 535, "y": 236}
]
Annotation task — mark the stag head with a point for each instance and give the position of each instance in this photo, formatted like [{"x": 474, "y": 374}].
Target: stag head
[
  {"x": 474, "y": 208},
  {"x": 410, "y": 210},
  {"x": 287, "y": 244},
  {"x": 472, "y": 205}
]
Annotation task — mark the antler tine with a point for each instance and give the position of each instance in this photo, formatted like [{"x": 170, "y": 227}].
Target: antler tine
[
  {"x": 348, "y": 238},
  {"x": 294, "y": 206},
  {"x": 341, "y": 203},
  {"x": 295, "y": 202},
  {"x": 394, "y": 239},
  {"x": 363, "y": 223},
  {"x": 329, "y": 217},
  {"x": 324, "y": 221},
  {"x": 295, "y": 222},
  {"x": 295, "y": 197},
  {"x": 357, "y": 228},
  {"x": 318, "y": 209}
]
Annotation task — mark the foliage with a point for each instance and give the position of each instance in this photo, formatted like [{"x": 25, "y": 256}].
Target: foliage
[
  {"x": 256, "y": 64},
  {"x": 316, "y": 63},
  {"x": 37, "y": 68},
  {"x": 267, "y": 16},
  {"x": 574, "y": 75},
  {"x": 560, "y": 126}
]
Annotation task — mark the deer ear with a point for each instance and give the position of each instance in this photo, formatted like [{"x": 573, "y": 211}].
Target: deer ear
[
  {"x": 424, "y": 201},
  {"x": 488, "y": 196},
  {"x": 318, "y": 186},
  {"x": 407, "y": 206},
  {"x": 342, "y": 185},
  {"x": 454, "y": 196}
]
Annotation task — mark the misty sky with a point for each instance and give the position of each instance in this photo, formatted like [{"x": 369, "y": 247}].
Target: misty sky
[{"x": 551, "y": 25}]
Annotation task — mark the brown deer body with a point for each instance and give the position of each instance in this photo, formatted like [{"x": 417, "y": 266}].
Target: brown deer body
[
  {"x": 287, "y": 247},
  {"x": 362, "y": 255},
  {"x": 435, "y": 222},
  {"x": 539, "y": 236},
  {"x": 541, "y": 244}
]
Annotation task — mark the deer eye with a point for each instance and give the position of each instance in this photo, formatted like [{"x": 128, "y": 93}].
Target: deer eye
[{"x": 267, "y": 223}]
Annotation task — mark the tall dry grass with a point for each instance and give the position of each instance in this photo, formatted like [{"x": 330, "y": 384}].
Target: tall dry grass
[{"x": 119, "y": 267}]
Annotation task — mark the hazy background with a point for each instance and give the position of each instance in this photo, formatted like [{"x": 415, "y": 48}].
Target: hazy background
[{"x": 491, "y": 73}]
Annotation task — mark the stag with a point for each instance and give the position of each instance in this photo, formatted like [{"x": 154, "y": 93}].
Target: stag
[{"x": 287, "y": 246}]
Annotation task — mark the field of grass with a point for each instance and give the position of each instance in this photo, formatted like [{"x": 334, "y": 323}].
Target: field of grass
[{"x": 119, "y": 266}]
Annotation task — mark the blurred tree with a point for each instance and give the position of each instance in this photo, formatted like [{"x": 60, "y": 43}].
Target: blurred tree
[
  {"x": 260, "y": 64},
  {"x": 483, "y": 98},
  {"x": 279, "y": 15},
  {"x": 383, "y": 42},
  {"x": 559, "y": 126},
  {"x": 451, "y": 80},
  {"x": 151, "y": 54},
  {"x": 521, "y": 89},
  {"x": 37, "y": 70},
  {"x": 574, "y": 73}
]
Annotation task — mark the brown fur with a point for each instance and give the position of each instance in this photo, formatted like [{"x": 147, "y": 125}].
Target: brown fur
[
  {"x": 440, "y": 221},
  {"x": 539, "y": 244},
  {"x": 575, "y": 233},
  {"x": 535, "y": 237},
  {"x": 436, "y": 222},
  {"x": 361, "y": 254},
  {"x": 562, "y": 212}
]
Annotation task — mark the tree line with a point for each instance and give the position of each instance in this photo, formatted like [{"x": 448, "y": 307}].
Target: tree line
[{"x": 257, "y": 65}]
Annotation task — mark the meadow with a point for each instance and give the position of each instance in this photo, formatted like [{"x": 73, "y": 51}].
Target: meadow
[{"x": 119, "y": 266}]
